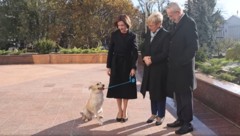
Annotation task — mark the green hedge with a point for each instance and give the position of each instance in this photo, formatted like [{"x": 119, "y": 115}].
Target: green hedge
[
  {"x": 227, "y": 77},
  {"x": 81, "y": 51},
  {"x": 215, "y": 66},
  {"x": 44, "y": 46},
  {"x": 233, "y": 53},
  {"x": 14, "y": 52}
]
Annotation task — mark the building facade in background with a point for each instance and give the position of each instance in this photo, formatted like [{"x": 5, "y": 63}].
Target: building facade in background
[{"x": 230, "y": 29}]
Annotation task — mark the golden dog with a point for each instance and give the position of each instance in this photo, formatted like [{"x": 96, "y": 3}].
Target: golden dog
[{"x": 94, "y": 104}]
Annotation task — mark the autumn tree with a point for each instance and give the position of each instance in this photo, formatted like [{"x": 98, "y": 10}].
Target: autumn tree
[
  {"x": 88, "y": 23},
  {"x": 71, "y": 23}
]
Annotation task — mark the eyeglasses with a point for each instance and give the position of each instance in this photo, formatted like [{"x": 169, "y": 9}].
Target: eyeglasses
[{"x": 173, "y": 14}]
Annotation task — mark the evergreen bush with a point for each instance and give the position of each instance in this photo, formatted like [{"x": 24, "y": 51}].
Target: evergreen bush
[
  {"x": 44, "y": 46},
  {"x": 227, "y": 77},
  {"x": 233, "y": 53}
]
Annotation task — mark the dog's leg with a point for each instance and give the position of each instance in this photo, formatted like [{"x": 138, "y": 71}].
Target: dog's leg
[
  {"x": 89, "y": 115},
  {"x": 84, "y": 117},
  {"x": 99, "y": 117},
  {"x": 100, "y": 113},
  {"x": 100, "y": 120}
]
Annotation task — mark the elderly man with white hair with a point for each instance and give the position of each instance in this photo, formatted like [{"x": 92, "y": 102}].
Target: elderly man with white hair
[{"x": 181, "y": 62}]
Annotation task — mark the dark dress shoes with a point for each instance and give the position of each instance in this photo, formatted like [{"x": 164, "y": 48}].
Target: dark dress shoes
[
  {"x": 151, "y": 119},
  {"x": 185, "y": 128},
  {"x": 176, "y": 123},
  {"x": 159, "y": 121},
  {"x": 118, "y": 119}
]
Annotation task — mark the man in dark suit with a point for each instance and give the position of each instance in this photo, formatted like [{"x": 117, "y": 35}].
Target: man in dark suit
[{"x": 181, "y": 80}]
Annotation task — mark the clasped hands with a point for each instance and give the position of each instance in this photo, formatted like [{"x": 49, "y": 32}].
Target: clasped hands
[{"x": 147, "y": 60}]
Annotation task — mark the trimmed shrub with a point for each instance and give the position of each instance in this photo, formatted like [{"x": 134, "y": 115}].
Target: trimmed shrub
[
  {"x": 201, "y": 55},
  {"x": 197, "y": 64},
  {"x": 83, "y": 51},
  {"x": 13, "y": 52},
  {"x": 208, "y": 69},
  {"x": 235, "y": 71},
  {"x": 44, "y": 46},
  {"x": 3, "y": 52},
  {"x": 219, "y": 62},
  {"x": 227, "y": 77},
  {"x": 233, "y": 53}
]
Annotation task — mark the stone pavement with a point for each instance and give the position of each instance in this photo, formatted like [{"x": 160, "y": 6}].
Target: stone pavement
[{"x": 46, "y": 100}]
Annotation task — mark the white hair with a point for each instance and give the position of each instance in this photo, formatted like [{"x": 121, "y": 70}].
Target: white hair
[
  {"x": 174, "y": 6},
  {"x": 155, "y": 17}
]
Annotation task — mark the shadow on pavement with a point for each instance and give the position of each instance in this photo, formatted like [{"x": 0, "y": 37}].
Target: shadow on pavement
[{"x": 77, "y": 127}]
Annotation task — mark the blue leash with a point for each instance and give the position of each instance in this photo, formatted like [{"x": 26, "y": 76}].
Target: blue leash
[{"x": 131, "y": 80}]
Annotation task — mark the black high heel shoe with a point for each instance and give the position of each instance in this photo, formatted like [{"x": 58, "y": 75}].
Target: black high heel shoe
[
  {"x": 151, "y": 119},
  {"x": 125, "y": 119},
  {"x": 118, "y": 119}
]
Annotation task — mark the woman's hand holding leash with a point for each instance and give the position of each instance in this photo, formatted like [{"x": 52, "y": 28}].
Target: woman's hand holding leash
[{"x": 133, "y": 72}]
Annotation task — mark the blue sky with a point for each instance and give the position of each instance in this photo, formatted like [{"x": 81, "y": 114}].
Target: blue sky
[{"x": 228, "y": 7}]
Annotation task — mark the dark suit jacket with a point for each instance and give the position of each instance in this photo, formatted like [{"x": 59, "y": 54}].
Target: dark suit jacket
[
  {"x": 155, "y": 75},
  {"x": 183, "y": 47}
]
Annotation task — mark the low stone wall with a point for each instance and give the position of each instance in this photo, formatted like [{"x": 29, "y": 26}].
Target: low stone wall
[
  {"x": 53, "y": 58},
  {"x": 223, "y": 97}
]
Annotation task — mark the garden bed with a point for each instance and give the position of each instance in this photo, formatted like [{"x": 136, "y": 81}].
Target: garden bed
[{"x": 53, "y": 58}]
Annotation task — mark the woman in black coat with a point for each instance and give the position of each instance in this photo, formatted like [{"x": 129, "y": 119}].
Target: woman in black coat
[
  {"x": 121, "y": 64},
  {"x": 155, "y": 53}
]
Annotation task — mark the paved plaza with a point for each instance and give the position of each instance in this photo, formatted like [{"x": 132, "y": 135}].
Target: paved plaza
[{"x": 44, "y": 100}]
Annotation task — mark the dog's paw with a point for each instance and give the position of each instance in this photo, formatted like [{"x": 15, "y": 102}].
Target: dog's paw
[
  {"x": 100, "y": 122},
  {"x": 83, "y": 119},
  {"x": 88, "y": 119}
]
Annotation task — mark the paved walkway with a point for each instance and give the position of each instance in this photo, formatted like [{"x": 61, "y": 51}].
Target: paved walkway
[{"x": 46, "y": 100}]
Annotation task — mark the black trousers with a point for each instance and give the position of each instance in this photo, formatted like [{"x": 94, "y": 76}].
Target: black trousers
[
  {"x": 158, "y": 108},
  {"x": 184, "y": 106}
]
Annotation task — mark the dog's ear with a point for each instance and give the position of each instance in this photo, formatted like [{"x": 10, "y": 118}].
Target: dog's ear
[{"x": 90, "y": 87}]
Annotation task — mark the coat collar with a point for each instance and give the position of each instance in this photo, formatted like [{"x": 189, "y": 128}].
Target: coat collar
[
  {"x": 179, "y": 24},
  {"x": 157, "y": 35}
]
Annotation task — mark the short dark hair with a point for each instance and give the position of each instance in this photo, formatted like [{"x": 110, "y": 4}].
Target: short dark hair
[{"x": 125, "y": 18}]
